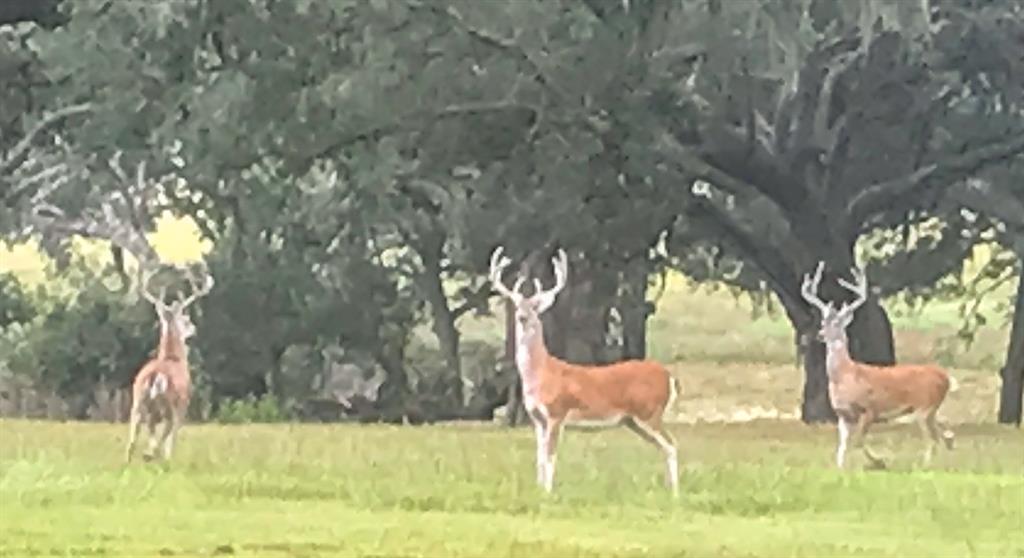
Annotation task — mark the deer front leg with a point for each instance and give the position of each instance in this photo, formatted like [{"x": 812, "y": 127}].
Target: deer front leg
[
  {"x": 845, "y": 427},
  {"x": 553, "y": 431},
  {"x": 860, "y": 437},
  {"x": 931, "y": 438},
  {"x": 540, "y": 431}
]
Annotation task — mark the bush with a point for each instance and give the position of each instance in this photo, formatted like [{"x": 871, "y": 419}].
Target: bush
[{"x": 265, "y": 409}]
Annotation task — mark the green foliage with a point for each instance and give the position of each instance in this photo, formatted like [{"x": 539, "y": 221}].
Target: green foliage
[
  {"x": 75, "y": 342},
  {"x": 262, "y": 490},
  {"x": 14, "y": 302},
  {"x": 251, "y": 410}
]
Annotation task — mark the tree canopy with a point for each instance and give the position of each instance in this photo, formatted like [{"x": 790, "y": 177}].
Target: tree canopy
[{"x": 355, "y": 162}]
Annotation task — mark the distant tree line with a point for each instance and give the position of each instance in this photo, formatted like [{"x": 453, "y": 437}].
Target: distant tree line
[{"x": 353, "y": 161}]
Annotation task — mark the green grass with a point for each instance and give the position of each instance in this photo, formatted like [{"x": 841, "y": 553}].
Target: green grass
[{"x": 757, "y": 489}]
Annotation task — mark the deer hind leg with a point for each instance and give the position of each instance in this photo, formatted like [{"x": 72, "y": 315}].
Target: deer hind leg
[
  {"x": 656, "y": 434},
  {"x": 553, "y": 432},
  {"x": 153, "y": 419},
  {"x": 935, "y": 433},
  {"x": 926, "y": 421},
  {"x": 171, "y": 427},
  {"x": 134, "y": 427},
  {"x": 939, "y": 431}
]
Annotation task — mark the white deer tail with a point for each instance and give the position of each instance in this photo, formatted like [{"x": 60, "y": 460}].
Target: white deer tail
[
  {"x": 954, "y": 385},
  {"x": 157, "y": 386}
]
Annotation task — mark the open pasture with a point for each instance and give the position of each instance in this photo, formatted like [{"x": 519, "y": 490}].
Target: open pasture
[{"x": 764, "y": 488}]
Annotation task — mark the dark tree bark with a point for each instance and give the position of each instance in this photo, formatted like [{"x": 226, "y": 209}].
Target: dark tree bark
[
  {"x": 871, "y": 339},
  {"x": 442, "y": 318},
  {"x": 1011, "y": 392},
  {"x": 815, "y": 405},
  {"x": 393, "y": 394},
  {"x": 575, "y": 327},
  {"x": 634, "y": 310}
]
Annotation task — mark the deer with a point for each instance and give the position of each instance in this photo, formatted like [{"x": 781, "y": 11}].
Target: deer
[
  {"x": 864, "y": 394},
  {"x": 632, "y": 393},
  {"x": 162, "y": 387}
]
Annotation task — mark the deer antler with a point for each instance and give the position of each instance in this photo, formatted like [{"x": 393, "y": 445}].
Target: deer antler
[
  {"x": 809, "y": 290},
  {"x": 498, "y": 265},
  {"x": 561, "y": 264},
  {"x": 157, "y": 300},
  {"x": 198, "y": 290},
  {"x": 858, "y": 287}
]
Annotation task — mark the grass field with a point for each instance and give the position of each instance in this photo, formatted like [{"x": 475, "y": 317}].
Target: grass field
[{"x": 757, "y": 489}]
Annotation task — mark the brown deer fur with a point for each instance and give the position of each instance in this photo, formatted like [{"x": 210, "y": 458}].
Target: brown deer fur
[
  {"x": 162, "y": 387},
  {"x": 633, "y": 393},
  {"x": 863, "y": 394}
]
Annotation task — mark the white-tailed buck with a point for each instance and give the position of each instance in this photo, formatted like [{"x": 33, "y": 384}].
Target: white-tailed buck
[
  {"x": 633, "y": 393},
  {"x": 162, "y": 387},
  {"x": 863, "y": 394}
]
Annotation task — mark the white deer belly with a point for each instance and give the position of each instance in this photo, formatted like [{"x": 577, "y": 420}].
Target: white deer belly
[{"x": 575, "y": 418}]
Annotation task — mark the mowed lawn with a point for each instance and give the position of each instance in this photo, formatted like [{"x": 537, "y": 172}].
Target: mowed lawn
[{"x": 763, "y": 488}]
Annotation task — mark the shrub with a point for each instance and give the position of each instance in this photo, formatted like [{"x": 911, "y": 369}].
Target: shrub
[{"x": 265, "y": 409}]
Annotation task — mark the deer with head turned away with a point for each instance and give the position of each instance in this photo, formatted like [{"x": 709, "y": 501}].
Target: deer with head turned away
[
  {"x": 632, "y": 393},
  {"x": 863, "y": 394},
  {"x": 162, "y": 387}
]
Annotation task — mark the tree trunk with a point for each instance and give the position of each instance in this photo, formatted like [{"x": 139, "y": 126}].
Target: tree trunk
[
  {"x": 871, "y": 339},
  {"x": 1011, "y": 392},
  {"x": 575, "y": 327},
  {"x": 815, "y": 405},
  {"x": 442, "y": 319},
  {"x": 393, "y": 394},
  {"x": 634, "y": 310}
]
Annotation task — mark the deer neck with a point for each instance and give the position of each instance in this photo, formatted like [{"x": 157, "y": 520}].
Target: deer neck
[
  {"x": 531, "y": 354},
  {"x": 837, "y": 358},
  {"x": 172, "y": 346}
]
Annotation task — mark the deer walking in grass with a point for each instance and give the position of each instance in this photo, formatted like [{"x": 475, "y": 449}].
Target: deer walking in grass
[
  {"x": 632, "y": 393},
  {"x": 162, "y": 387},
  {"x": 863, "y": 394}
]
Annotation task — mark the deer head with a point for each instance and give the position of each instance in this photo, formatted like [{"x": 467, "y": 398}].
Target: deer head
[
  {"x": 529, "y": 308},
  {"x": 835, "y": 321},
  {"x": 172, "y": 315}
]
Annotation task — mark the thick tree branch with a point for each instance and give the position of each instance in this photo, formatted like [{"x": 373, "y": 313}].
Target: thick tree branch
[
  {"x": 752, "y": 248},
  {"x": 45, "y": 13},
  {"x": 696, "y": 166},
  {"x": 14, "y": 158},
  {"x": 982, "y": 197},
  {"x": 881, "y": 196}
]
